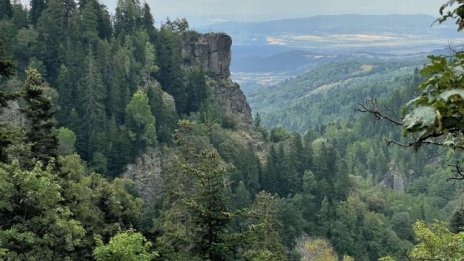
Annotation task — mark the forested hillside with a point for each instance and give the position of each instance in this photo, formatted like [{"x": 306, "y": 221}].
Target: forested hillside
[
  {"x": 122, "y": 141},
  {"x": 331, "y": 92}
]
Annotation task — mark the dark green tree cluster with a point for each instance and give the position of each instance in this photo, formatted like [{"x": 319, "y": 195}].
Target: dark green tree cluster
[
  {"x": 52, "y": 206},
  {"x": 97, "y": 63}
]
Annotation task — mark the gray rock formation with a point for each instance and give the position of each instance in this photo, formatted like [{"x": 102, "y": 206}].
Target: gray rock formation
[
  {"x": 212, "y": 53},
  {"x": 395, "y": 178},
  {"x": 12, "y": 114},
  {"x": 147, "y": 173}
]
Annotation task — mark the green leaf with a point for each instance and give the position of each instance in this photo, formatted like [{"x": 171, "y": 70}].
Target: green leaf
[
  {"x": 447, "y": 94},
  {"x": 420, "y": 117}
]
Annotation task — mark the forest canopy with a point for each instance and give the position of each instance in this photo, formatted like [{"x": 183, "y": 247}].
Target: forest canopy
[{"x": 112, "y": 148}]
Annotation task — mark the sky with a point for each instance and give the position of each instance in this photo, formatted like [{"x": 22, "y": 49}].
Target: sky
[{"x": 210, "y": 11}]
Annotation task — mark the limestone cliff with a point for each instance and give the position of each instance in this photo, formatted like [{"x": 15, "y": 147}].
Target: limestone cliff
[
  {"x": 396, "y": 178},
  {"x": 212, "y": 53}
]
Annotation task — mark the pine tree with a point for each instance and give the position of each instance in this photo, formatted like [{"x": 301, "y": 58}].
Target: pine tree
[
  {"x": 127, "y": 17},
  {"x": 271, "y": 172},
  {"x": 262, "y": 238},
  {"x": 148, "y": 22},
  {"x": 37, "y": 7},
  {"x": 20, "y": 15},
  {"x": 140, "y": 123},
  {"x": 208, "y": 206},
  {"x": 164, "y": 110},
  {"x": 457, "y": 221},
  {"x": 51, "y": 37},
  {"x": 92, "y": 97},
  {"x": 41, "y": 131},
  {"x": 170, "y": 70},
  {"x": 7, "y": 69},
  {"x": 89, "y": 23},
  {"x": 6, "y": 10},
  {"x": 197, "y": 90}
]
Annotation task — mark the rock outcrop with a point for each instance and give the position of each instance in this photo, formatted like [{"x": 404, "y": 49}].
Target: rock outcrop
[
  {"x": 147, "y": 174},
  {"x": 212, "y": 53},
  {"x": 395, "y": 178},
  {"x": 12, "y": 114}
]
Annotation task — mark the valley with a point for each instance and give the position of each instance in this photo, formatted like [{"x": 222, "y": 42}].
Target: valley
[{"x": 325, "y": 138}]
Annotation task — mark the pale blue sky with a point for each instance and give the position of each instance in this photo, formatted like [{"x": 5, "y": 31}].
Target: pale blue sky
[{"x": 248, "y": 10}]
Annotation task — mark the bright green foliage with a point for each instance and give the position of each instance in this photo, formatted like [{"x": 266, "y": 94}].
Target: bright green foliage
[
  {"x": 387, "y": 258},
  {"x": 102, "y": 207},
  {"x": 140, "y": 123},
  {"x": 317, "y": 250},
  {"x": 163, "y": 109},
  {"x": 439, "y": 108},
  {"x": 125, "y": 246},
  {"x": 258, "y": 255},
  {"x": 66, "y": 141},
  {"x": 436, "y": 243},
  {"x": 35, "y": 224}
]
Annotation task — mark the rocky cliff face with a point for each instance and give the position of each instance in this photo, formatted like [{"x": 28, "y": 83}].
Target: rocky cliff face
[
  {"x": 12, "y": 114},
  {"x": 396, "y": 178},
  {"x": 147, "y": 173},
  {"x": 212, "y": 53}
]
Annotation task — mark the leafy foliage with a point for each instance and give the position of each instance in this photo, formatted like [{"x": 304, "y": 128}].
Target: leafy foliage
[
  {"x": 129, "y": 245},
  {"x": 436, "y": 243}
]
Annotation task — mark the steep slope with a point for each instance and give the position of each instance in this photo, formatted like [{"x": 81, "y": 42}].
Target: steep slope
[
  {"x": 210, "y": 53},
  {"x": 328, "y": 93}
]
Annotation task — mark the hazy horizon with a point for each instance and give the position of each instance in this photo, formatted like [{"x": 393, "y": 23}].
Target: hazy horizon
[{"x": 202, "y": 12}]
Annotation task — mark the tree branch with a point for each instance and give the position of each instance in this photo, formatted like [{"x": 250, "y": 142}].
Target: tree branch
[
  {"x": 458, "y": 171},
  {"x": 372, "y": 108}
]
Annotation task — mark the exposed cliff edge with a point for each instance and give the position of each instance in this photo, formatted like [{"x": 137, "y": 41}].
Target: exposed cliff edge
[{"x": 212, "y": 53}]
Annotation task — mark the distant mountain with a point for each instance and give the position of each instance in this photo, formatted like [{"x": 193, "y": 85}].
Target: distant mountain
[
  {"x": 337, "y": 24},
  {"x": 291, "y": 44},
  {"x": 350, "y": 22}
]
